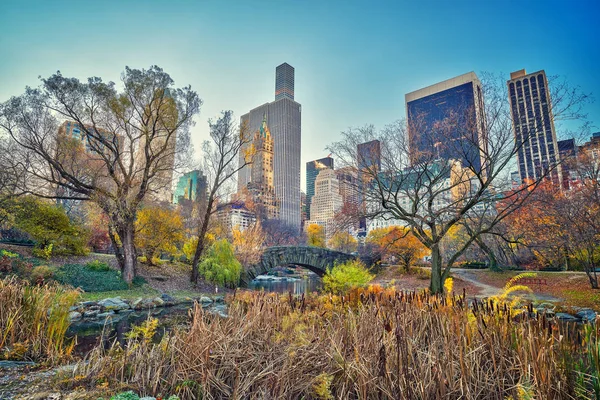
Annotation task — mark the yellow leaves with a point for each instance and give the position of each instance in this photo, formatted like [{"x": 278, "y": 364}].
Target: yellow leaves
[
  {"x": 158, "y": 229},
  {"x": 144, "y": 331},
  {"x": 448, "y": 285},
  {"x": 315, "y": 235},
  {"x": 343, "y": 241}
]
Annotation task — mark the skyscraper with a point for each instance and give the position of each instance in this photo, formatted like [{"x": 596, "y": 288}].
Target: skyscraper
[
  {"x": 533, "y": 125},
  {"x": 446, "y": 121},
  {"x": 284, "y": 82},
  {"x": 191, "y": 186},
  {"x": 260, "y": 189},
  {"x": 327, "y": 201},
  {"x": 312, "y": 170},
  {"x": 284, "y": 120}
]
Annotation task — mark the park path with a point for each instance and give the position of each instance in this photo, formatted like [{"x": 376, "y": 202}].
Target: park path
[{"x": 486, "y": 290}]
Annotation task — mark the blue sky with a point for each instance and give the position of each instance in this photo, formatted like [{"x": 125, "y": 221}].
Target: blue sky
[{"x": 354, "y": 60}]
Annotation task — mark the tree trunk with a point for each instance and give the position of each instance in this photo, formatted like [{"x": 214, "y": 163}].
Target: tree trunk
[
  {"x": 127, "y": 233},
  {"x": 436, "y": 284},
  {"x": 201, "y": 241},
  {"x": 490, "y": 255}
]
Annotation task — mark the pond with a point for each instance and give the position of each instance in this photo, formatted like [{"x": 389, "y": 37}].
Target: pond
[{"x": 297, "y": 285}]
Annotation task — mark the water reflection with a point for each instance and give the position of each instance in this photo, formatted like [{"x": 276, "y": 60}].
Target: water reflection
[{"x": 305, "y": 284}]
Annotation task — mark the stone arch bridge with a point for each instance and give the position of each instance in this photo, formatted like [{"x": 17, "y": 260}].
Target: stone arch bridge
[{"x": 316, "y": 259}]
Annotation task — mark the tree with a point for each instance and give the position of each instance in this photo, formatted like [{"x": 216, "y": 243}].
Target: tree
[
  {"x": 344, "y": 242},
  {"x": 315, "y": 235},
  {"x": 158, "y": 229},
  {"x": 129, "y": 142},
  {"x": 429, "y": 193},
  {"x": 220, "y": 266},
  {"x": 278, "y": 233},
  {"x": 48, "y": 225},
  {"x": 343, "y": 277},
  {"x": 248, "y": 244},
  {"x": 227, "y": 153}
]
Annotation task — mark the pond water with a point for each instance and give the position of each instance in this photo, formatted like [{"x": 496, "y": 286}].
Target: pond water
[
  {"x": 91, "y": 333},
  {"x": 300, "y": 285}
]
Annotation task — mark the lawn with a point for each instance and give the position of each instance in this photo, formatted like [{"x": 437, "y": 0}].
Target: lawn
[{"x": 573, "y": 287}]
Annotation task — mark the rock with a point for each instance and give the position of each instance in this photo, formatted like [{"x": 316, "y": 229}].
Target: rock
[
  {"x": 158, "y": 302},
  {"x": 205, "y": 300},
  {"x": 16, "y": 364},
  {"x": 566, "y": 317},
  {"x": 105, "y": 315},
  {"x": 219, "y": 299},
  {"x": 159, "y": 278},
  {"x": 74, "y": 316},
  {"x": 91, "y": 314},
  {"x": 146, "y": 304},
  {"x": 587, "y": 314},
  {"x": 87, "y": 304},
  {"x": 168, "y": 299},
  {"x": 147, "y": 398},
  {"x": 135, "y": 304},
  {"x": 114, "y": 303}
]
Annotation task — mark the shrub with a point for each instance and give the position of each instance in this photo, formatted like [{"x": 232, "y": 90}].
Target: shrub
[
  {"x": 343, "y": 277},
  {"x": 42, "y": 274},
  {"x": 189, "y": 248},
  {"x": 43, "y": 252},
  {"x": 90, "y": 280},
  {"x": 34, "y": 320},
  {"x": 220, "y": 266},
  {"x": 97, "y": 265}
]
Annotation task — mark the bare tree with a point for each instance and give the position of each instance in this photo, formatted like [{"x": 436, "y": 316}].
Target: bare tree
[
  {"x": 221, "y": 164},
  {"x": 454, "y": 172},
  {"x": 129, "y": 141}
]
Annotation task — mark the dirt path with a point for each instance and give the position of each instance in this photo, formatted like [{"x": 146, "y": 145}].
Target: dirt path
[{"x": 486, "y": 290}]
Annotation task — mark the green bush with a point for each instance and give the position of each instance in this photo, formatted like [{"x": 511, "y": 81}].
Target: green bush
[
  {"x": 347, "y": 276},
  {"x": 97, "y": 265},
  {"x": 90, "y": 280},
  {"x": 220, "y": 266}
]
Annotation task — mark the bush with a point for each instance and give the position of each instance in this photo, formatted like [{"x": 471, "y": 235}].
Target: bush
[
  {"x": 347, "y": 276},
  {"x": 90, "y": 280},
  {"x": 472, "y": 265},
  {"x": 220, "y": 266},
  {"x": 42, "y": 274},
  {"x": 97, "y": 265}
]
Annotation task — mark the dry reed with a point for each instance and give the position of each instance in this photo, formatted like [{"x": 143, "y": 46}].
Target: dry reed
[{"x": 371, "y": 344}]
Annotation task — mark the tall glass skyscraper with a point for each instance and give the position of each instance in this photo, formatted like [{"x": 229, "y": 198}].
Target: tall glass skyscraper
[
  {"x": 284, "y": 82},
  {"x": 312, "y": 170},
  {"x": 533, "y": 124},
  {"x": 283, "y": 117},
  {"x": 446, "y": 121}
]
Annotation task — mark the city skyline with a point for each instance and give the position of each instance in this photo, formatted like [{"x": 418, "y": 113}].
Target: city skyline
[{"x": 337, "y": 81}]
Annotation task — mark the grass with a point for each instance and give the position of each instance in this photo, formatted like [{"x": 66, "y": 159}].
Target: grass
[
  {"x": 371, "y": 344},
  {"x": 34, "y": 320},
  {"x": 144, "y": 291},
  {"x": 572, "y": 288}
]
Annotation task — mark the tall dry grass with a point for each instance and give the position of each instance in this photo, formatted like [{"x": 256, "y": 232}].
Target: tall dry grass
[
  {"x": 34, "y": 320},
  {"x": 372, "y": 344}
]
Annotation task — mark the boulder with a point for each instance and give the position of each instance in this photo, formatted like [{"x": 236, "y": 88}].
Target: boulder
[
  {"x": 146, "y": 304},
  {"x": 105, "y": 315},
  {"x": 205, "y": 300},
  {"x": 158, "y": 302},
  {"x": 114, "y": 304},
  {"x": 566, "y": 317},
  {"x": 74, "y": 316},
  {"x": 135, "y": 304},
  {"x": 91, "y": 313},
  {"x": 587, "y": 314},
  {"x": 219, "y": 299},
  {"x": 169, "y": 300}
]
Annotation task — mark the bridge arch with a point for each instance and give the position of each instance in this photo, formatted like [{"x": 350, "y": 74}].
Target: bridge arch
[{"x": 315, "y": 259}]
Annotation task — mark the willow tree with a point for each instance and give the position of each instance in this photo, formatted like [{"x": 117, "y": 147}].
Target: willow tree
[
  {"x": 115, "y": 145},
  {"x": 432, "y": 177}
]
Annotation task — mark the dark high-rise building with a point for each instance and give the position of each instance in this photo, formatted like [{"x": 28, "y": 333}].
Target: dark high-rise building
[
  {"x": 312, "y": 170},
  {"x": 284, "y": 82},
  {"x": 369, "y": 155},
  {"x": 283, "y": 117},
  {"x": 567, "y": 151},
  {"x": 446, "y": 121},
  {"x": 533, "y": 125}
]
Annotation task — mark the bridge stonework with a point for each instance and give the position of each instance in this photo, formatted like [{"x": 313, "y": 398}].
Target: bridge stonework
[{"x": 316, "y": 259}]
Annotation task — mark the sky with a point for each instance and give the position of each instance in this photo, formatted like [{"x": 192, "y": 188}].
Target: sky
[{"x": 354, "y": 60}]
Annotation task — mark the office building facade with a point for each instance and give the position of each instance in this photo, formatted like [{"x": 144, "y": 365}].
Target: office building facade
[
  {"x": 284, "y": 82},
  {"x": 191, "y": 186},
  {"x": 446, "y": 121},
  {"x": 326, "y": 202},
  {"x": 312, "y": 170},
  {"x": 284, "y": 120},
  {"x": 533, "y": 126}
]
